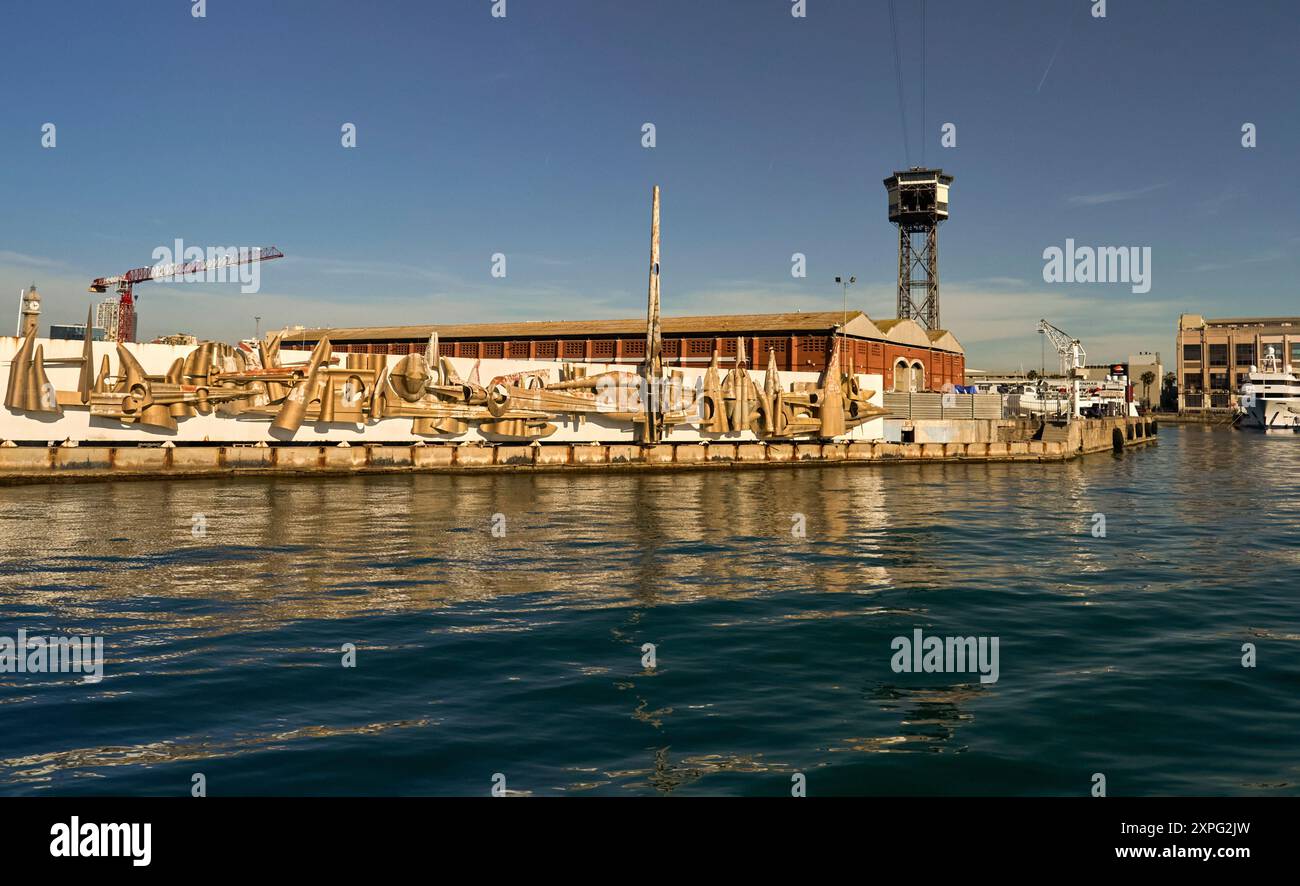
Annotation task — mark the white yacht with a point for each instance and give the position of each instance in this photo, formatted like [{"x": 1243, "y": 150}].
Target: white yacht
[
  {"x": 1271, "y": 398},
  {"x": 1090, "y": 399}
]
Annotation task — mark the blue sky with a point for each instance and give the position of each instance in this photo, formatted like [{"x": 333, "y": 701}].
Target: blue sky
[{"x": 522, "y": 135}]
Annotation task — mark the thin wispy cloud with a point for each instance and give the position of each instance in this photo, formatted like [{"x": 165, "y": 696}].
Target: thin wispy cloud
[
  {"x": 1214, "y": 205},
  {"x": 1114, "y": 196},
  {"x": 1260, "y": 258},
  {"x": 28, "y": 261}
]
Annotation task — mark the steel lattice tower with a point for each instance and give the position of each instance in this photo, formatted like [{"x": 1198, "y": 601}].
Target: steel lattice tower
[{"x": 918, "y": 202}]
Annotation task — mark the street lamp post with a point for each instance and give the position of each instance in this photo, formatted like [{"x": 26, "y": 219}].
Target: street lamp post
[{"x": 845, "y": 283}]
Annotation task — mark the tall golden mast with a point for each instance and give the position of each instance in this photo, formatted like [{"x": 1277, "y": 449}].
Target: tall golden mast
[{"x": 652, "y": 367}]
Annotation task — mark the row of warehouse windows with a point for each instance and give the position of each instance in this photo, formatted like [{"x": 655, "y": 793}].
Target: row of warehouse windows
[
  {"x": 811, "y": 353},
  {"x": 607, "y": 348}
]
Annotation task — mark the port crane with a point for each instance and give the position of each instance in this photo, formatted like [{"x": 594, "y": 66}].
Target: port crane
[
  {"x": 1073, "y": 359},
  {"x": 1070, "y": 350},
  {"x": 125, "y": 282}
]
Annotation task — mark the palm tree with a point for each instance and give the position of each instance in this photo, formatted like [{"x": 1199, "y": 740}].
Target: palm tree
[
  {"x": 1148, "y": 379},
  {"x": 1169, "y": 393}
]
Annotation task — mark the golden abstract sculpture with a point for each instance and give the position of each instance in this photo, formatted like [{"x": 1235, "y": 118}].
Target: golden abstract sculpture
[
  {"x": 359, "y": 389},
  {"x": 216, "y": 378}
]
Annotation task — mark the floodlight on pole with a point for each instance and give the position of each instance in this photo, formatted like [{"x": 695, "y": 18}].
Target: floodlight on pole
[{"x": 845, "y": 284}]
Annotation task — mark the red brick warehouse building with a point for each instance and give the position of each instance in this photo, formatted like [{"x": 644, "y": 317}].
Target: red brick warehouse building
[{"x": 908, "y": 356}]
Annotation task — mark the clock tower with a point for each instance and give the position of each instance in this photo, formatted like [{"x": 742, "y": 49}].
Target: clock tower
[{"x": 29, "y": 313}]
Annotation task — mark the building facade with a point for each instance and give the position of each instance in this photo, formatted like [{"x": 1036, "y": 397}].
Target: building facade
[
  {"x": 106, "y": 313},
  {"x": 1214, "y": 357},
  {"x": 909, "y": 357},
  {"x": 76, "y": 332},
  {"x": 1148, "y": 395}
]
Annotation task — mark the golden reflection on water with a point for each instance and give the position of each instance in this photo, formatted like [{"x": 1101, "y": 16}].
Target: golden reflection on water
[
  {"x": 296, "y": 549},
  {"x": 37, "y": 768}
]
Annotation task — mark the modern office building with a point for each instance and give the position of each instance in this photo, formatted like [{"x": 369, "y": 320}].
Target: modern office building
[{"x": 1214, "y": 356}]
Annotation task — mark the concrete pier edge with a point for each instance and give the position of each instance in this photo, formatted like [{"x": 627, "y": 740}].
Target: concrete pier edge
[{"x": 89, "y": 462}]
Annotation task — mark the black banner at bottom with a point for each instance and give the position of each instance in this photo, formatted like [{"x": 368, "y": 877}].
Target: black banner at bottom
[{"x": 335, "y": 836}]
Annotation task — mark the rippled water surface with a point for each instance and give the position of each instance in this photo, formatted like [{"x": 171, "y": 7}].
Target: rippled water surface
[{"x": 522, "y": 655}]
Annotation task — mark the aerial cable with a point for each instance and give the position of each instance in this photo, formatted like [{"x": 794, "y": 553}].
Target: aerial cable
[
  {"x": 924, "y": 137},
  {"x": 898, "y": 78}
]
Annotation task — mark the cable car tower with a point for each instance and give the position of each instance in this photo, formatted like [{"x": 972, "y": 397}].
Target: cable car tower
[{"x": 918, "y": 202}]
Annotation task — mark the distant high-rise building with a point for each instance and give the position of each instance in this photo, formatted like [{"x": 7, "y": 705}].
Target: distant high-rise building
[{"x": 107, "y": 314}]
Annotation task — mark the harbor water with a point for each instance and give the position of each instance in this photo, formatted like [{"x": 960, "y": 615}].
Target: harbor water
[{"x": 683, "y": 633}]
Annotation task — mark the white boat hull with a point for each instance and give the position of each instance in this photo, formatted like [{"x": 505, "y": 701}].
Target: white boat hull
[{"x": 1271, "y": 415}]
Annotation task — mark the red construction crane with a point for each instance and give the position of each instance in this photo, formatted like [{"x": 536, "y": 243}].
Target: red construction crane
[{"x": 124, "y": 282}]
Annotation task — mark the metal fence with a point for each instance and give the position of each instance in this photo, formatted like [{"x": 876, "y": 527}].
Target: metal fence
[{"x": 938, "y": 406}]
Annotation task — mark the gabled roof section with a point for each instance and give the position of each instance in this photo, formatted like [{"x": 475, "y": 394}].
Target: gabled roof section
[
  {"x": 904, "y": 332},
  {"x": 944, "y": 340}
]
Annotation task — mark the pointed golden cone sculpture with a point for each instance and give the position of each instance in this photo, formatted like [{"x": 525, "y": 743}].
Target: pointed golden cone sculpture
[
  {"x": 780, "y": 421},
  {"x": 713, "y": 415},
  {"x": 736, "y": 394},
  {"x": 326, "y": 413},
  {"x": 16, "y": 392},
  {"x": 757, "y": 410},
  {"x": 742, "y": 406},
  {"x": 101, "y": 380},
  {"x": 449, "y": 374},
  {"x": 45, "y": 398},
  {"x": 133, "y": 377},
  {"x": 831, "y": 409},
  {"x": 771, "y": 392},
  {"x": 86, "y": 379},
  {"x": 294, "y": 409}
]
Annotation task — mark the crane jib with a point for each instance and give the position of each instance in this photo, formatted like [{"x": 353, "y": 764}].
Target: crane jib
[
  {"x": 176, "y": 269},
  {"x": 241, "y": 256}
]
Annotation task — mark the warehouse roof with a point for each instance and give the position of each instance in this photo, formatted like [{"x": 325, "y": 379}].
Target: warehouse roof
[
  {"x": 944, "y": 340},
  {"x": 906, "y": 332},
  {"x": 1196, "y": 321},
  {"x": 795, "y": 322}
]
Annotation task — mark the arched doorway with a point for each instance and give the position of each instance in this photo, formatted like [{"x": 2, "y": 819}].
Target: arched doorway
[
  {"x": 902, "y": 376},
  {"x": 918, "y": 376}
]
